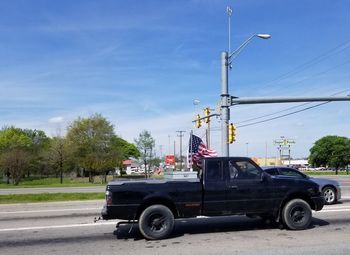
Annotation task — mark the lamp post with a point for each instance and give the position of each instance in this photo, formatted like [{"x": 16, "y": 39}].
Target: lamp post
[{"x": 226, "y": 61}]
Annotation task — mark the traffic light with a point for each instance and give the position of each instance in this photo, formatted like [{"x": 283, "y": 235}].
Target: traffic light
[
  {"x": 231, "y": 133},
  {"x": 198, "y": 121},
  {"x": 207, "y": 113}
]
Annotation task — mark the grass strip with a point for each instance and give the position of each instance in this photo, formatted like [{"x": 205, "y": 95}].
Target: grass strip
[
  {"x": 324, "y": 173},
  {"x": 54, "y": 185},
  {"x": 49, "y": 197}
]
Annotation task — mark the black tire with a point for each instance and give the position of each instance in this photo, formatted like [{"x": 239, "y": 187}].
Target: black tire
[
  {"x": 296, "y": 214},
  {"x": 330, "y": 195},
  {"x": 156, "y": 222}
]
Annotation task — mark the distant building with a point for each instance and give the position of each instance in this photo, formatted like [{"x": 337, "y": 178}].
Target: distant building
[
  {"x": 131, "y": 166},
  {"x": 267, "y": 161},
  {"x": 297, "y": 163}
]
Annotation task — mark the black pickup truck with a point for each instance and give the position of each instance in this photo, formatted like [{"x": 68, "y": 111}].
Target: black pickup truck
[{"x": 226, "y": 186}]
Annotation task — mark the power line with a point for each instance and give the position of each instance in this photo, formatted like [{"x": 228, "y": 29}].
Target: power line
[
  {"x": 284, "y": 115},
  {"x": 323, "y": 72},
  {"x": 287, "y": 109},
  {"x": 338, "y": 49}
]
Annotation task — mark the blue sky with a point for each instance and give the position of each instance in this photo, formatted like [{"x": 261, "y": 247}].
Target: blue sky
[{"x": 142, "y": 63}]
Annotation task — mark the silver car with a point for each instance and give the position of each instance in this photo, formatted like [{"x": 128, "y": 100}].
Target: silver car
[{"x": 330, "y": 188}]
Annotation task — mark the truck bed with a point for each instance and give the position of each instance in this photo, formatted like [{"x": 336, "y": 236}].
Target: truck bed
[{"x": 130, "y": 196}]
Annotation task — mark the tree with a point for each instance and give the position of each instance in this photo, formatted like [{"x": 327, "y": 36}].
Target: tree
[
  {"x": 40, "y": 144},
  {"x": 90, "y": 139},
  {"x": 58, "y": 156},
  {"x": 145, "y": 143},
  {"x": 15, "y": 152},
  {"x": 330, "y": 151},
  {"x": 129, "y": 150},
  {"x": 124, "y": 150}
]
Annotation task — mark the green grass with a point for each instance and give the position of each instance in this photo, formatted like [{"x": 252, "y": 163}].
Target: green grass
[
  {"x": 49, "y": 197},
  {"x": 324, "y": 172},
  {"x": 35, "y": 182},
  {"x": 51, "y": 182}
]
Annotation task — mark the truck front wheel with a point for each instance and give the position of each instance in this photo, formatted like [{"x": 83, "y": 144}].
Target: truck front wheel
[
  {"x": 296, "y": 214},
  {"x": 156, "y": 222}
]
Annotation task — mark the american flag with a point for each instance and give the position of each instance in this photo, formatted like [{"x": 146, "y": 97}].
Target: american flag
[{"x": 198, "y": 150}]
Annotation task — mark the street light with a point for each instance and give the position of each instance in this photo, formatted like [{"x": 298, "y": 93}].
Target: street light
[
  {"x": 236, "y": 52},
  {"x": 226, "y": 60}
]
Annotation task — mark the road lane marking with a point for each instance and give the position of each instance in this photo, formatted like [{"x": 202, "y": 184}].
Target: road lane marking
[
  {"x": 116, "y": 221},
  {"x": 60, "y": 226},
  {"x": 54, "y": 210},
  {"x": 334, "y": 210}
]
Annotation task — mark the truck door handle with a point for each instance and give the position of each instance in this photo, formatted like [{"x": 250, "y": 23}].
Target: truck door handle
[{"x": 233, "y": 187}]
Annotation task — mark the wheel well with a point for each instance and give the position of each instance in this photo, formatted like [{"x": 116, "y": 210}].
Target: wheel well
[
  {"x": 157, "y": 201},
  {"x": 299, "y": 196},
  {"x": 330, "y": 186}
]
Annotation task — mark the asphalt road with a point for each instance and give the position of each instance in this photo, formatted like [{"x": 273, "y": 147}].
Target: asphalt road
[{"x": 69, "y": 228}]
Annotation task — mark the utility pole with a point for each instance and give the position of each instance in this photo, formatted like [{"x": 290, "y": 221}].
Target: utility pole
[
  {"x": 169, "y": 150},
  {"x": 180, "y": 135},
  {"x": 225, "y": 110},
  {"x": 227, "y": 100},
  {"x": 160, "y": 151}
]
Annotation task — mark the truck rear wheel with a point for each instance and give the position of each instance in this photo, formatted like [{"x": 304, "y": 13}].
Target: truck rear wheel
[
  {"x": 296, "y": 214},
  {"x": 156, "y": 222}
]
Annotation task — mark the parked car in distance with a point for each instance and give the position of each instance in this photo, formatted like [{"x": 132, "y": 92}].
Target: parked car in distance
[{"x": 330, "y": 188}]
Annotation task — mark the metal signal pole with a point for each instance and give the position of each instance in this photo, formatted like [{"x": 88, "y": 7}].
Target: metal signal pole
[{"x": 227, "y": 100}]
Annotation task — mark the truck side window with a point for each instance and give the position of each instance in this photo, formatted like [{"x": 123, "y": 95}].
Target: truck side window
[
  {"x": 214, "y": 170},
  {"x": 233, "y": 170},
  {"x": 247, "y": 170}
]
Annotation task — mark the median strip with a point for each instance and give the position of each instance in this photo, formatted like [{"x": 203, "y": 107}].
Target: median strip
[
  {"x": 60, "y": 226},
  {"x": 54, "y": 210}
]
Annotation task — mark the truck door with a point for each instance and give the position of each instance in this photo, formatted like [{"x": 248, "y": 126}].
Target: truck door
[
  {"x": 214, "y": 188},
  {"x": 236, "y": 192},
  {"x": 258, "y": 192}
]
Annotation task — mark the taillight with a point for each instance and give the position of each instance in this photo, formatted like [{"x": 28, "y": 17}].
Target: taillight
[{"x": 108, "y": 197}]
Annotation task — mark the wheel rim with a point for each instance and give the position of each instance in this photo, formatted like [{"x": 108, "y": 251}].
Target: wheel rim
[
  {"x": 297, "y": 214},
  {"x": 157, "y": 223},
  {"x": 329, "y": 195}
]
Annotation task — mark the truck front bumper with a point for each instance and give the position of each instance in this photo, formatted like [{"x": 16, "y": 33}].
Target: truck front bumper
[{"x": 318, "y": 202}]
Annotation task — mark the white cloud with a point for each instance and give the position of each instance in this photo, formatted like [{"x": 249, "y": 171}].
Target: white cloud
[{"x": 56, "y": 120}]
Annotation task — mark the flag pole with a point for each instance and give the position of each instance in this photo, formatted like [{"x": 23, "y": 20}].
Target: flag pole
[{"x": 190, "y": 154}]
